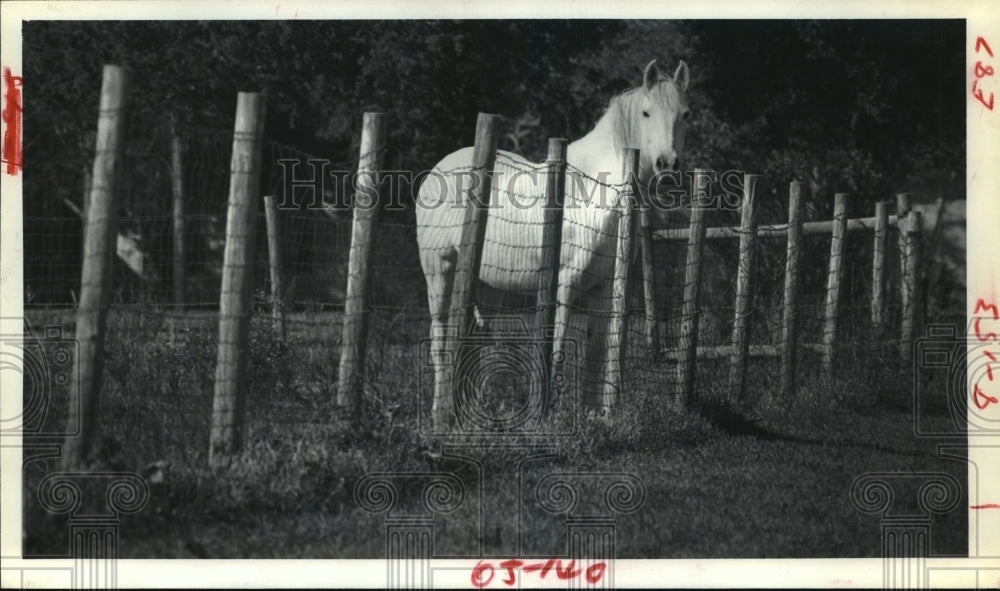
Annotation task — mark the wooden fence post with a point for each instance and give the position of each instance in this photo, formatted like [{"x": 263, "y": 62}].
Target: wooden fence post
[
  {"x": 648, "y": 281},
  {"x": 837, "y": 236},
  {"x": 470, "y": 252},
  {"x": 555, "y": 188},
  {"x": 744, "y": 277},
  {"x": 692, "y": 279},
  {"x": 878, "y": 265},
  {"x": 98, "y": 256},
  {"x": 789, "y": 323},
  {"x": 85, "y": 208},
  {"x": 902, "y": 210},
  {"x": 229, "y": 402},
  {"x": 932, "y": 293},
  {"x": 177, "y": 186},
  {"x": 274, "y": 263},
  {"x": 351, "y": 375},
  {"x": 911, "y": 228},
  {"x": 617, "y": 338}
]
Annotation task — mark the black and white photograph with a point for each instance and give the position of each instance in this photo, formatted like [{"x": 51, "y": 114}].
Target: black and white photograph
[{"x": 494, "y": 297}]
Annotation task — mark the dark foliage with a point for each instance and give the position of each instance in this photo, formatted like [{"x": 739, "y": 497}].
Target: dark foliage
[{"x": 868, "y": 107}]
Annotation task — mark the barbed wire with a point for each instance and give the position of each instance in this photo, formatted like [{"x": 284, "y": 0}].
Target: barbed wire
[{"x": 317, "y": 247}]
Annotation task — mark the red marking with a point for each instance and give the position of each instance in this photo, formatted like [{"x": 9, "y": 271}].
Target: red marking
[
  {"x": 978, "y": 93},
  {"x": 978, "y": 394},
  {"x": 981, "y": 43},
  {"x": 12, "y": 118},
  {"x": 982, "y": 71},
  {"x": 986, "y": 506},
  {"x": 989, "y": 370},
  {"x": 548, "y": 566},
  {"x": 982, "y": 305},
  {"x": 593, "y": 573},
  {"x": 477, "y": 574},
  {"x": 568, "y": 572},
  {"x": 510, "y": 565},
  {"x": 544, "y": 567}
]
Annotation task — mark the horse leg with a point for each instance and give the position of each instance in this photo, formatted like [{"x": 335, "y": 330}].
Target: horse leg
[{"x": 440, "y": 273}]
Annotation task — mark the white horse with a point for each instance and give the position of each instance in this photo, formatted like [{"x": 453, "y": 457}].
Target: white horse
[{"x": 651, "y": 118}]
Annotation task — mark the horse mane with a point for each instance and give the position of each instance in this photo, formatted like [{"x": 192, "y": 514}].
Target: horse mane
[{"x": 623, "y": 111}]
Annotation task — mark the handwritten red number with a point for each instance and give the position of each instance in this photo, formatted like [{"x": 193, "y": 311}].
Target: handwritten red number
[
  {"x": 978, "y": 395},
  {"x": 982, "y": 72},
  {"x": 548, "y": 566},
  {"x": 981, "y": 43},
  {"x": 483, "y": 572},
  {"x": 978, "y": 93},
  {"x": 989, "y": 370},
  {"x": 982, "y": 305},
  {"x": 595, "y": 572},
  {"x": 477, "y": 574},
  {"x": 544, "y": 567},
  {"x": 510, "y": 565},
  {"x": 568, "y": 572}
]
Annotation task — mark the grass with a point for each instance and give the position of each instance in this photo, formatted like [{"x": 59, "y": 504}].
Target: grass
[{"x": 770, "y": 480}]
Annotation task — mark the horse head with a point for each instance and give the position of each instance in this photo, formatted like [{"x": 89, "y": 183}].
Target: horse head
[{"x": 661, "y": 119}]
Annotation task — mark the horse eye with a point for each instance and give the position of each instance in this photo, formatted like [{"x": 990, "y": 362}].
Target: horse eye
[
  {"x": 686, "y": 115},
  {"x": 645, "y": 113}
]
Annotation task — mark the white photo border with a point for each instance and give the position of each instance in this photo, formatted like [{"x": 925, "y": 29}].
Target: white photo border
[{"x": 981, "y": 568}]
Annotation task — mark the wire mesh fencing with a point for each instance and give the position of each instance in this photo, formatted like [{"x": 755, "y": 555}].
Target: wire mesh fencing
[{"x": 293, "y": 376}]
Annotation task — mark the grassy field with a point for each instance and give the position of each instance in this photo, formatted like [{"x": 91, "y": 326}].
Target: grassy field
[{"x": 773, "y": 481}]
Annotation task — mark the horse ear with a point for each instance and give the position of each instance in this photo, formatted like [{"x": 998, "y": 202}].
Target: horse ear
[
  {"x": 681, "y": 75},
  {"x": 651, "y": 76}
]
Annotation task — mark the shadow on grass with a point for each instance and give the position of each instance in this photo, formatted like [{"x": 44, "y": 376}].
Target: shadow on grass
[
  {"x": 724, "y": 418},
  {"x": 729, "y": 421}
]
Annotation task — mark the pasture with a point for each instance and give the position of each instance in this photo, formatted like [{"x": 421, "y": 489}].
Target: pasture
[
  {"x": 775, "y": 483},
  {"x": 268, "y": 362}
]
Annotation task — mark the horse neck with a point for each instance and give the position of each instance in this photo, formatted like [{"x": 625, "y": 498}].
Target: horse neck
[
  {"x": 599, "y": 159},
  {"x": 597, "y": 153},
  {"x": 602, "y": 149}
]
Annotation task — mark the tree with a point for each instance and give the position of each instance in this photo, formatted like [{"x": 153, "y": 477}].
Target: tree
[{"x": 871, "y": 107}]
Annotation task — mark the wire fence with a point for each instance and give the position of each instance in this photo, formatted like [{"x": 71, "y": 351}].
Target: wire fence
[{"x": 316, "y": 244}]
